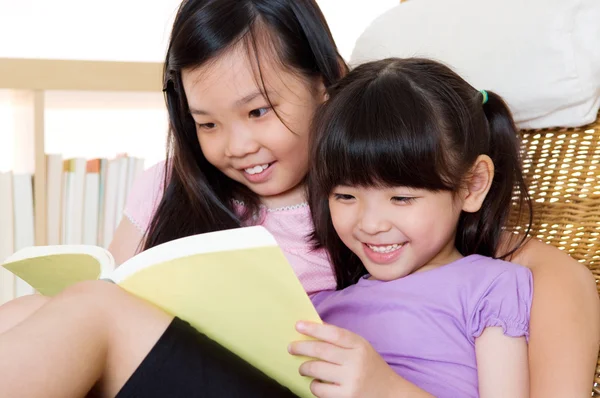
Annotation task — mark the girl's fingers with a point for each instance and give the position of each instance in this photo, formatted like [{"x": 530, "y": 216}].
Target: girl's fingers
[
  {"x": 319, "y": 350},
  {"x": 322, "y": 371},
  {"x": 329, "y": 333},
  {"x": 324, "y": 390}
]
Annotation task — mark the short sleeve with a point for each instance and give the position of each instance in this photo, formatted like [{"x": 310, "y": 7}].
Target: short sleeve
[
  {"x": 144, "y": 196},
  {"x": 506, "y": 303}
]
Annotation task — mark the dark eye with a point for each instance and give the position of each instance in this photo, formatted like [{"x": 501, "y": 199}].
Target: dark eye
[
  {"x": 402, "y": 199},
  {"x": 260, "y": 112},
  {"x": 342, "y": 196},
  {"x": 206, "y": 126}
]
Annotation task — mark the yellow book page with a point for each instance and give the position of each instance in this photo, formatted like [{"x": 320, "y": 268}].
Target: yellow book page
[
  {"x": 247, "y": 300},
  {"x": 50, "y": 274}
]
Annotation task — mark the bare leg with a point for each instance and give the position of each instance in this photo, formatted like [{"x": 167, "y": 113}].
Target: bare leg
[
  {"x": 15, "y": 311},
  {"x": 93, "y": 334}
]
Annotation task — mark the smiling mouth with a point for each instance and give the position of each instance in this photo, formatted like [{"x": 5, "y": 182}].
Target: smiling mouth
[
  {"x": 257, "y": 169},
  {"x": 385, "y": 248}
]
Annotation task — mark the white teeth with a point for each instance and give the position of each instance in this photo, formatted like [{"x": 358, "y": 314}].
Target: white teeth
[
  {"x": 386, "y": 249},
  {"x": 256, "y": 169}
]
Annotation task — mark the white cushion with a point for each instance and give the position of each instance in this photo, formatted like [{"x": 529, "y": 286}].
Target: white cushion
[{"x": 542, "y": 56}]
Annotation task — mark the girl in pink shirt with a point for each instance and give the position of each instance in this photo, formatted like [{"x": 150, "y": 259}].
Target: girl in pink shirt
[{"x": 242, "y": 81}]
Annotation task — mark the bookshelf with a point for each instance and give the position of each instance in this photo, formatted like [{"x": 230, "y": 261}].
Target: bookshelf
[{"x": 33, "y": 77}]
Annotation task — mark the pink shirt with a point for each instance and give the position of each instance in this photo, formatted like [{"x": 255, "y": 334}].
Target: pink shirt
[{"x": 290, "y": 226}]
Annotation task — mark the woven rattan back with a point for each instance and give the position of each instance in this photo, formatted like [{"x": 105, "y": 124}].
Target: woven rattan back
[{"x": 562, "y": 169}]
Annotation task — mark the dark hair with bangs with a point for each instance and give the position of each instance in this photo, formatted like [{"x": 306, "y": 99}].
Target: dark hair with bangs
[
  {"x": 197, "y": 197},
  {"x": 414, "y": 123}
]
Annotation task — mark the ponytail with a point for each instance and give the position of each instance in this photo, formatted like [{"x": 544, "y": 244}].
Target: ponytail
[{"x": 481, "y": 232}]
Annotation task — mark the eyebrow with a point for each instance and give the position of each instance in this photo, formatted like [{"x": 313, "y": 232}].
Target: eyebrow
[{"x": 242, "y": 101}]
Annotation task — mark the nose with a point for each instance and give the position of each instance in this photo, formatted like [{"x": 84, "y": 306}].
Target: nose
[
  {"x": 372, "y": 220},
  {"x": 241, "y": 142}
]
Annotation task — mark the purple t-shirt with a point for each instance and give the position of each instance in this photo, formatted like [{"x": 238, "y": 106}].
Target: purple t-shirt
[{"x": 424, "y": 325}]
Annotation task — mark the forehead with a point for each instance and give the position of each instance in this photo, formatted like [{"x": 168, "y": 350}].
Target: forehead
[{"x": 234, "y": 75}]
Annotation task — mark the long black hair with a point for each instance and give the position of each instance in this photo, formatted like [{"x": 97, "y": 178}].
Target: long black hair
[
  {"x": 414, "y": 123},
  {"x": 197, "y": 197}
]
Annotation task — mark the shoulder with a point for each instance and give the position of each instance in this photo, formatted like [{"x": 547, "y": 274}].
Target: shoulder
[
  {"x": 145, "y": 195},
  {"x": 487, "y": 269},
  {"x": 486, "y": 277},
  {"x": 502, "y": 293},
  {"x": 152, "y": 177}
]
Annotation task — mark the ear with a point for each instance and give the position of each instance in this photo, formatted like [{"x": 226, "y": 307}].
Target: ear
[
  {"x": 343, "y": 67},
  {"x": 320, "y": 90},
  {"x": 478, "y": 184}
]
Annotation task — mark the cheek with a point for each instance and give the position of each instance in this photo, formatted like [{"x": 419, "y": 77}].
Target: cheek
[
  {"x": 422, "y": 222},
  {"x": 211, "y": 147},
  {"x": 288, "y": 147},
  {"x": 299, "y": 159},
  {"x": 299, "y": 114},
  {"x": 342, "y": 219},
  {"x": 433, "y": 222}
]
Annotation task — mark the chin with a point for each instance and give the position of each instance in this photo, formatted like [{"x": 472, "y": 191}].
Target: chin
[
  {"x": 267, "y": 193},
  {"x": 271, "y": 191},
  {"x": 386, "y": 278},
  {"x": 386, "y": 275}
]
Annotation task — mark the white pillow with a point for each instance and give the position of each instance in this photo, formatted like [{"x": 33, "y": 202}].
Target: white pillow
[{"x": 542, "y": 56}]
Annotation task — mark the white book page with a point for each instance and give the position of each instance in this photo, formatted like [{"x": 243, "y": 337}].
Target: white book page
[{"x": 212, "y": 242}]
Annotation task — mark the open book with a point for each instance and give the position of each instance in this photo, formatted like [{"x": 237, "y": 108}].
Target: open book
[{"x": 236, "y": 286}]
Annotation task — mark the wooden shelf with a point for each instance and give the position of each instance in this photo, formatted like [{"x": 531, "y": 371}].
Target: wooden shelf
[
  {"x": 48, "y": 74},
  {"x": 35, "y": 76}
]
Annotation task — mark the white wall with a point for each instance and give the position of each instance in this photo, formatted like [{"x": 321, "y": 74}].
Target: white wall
[
  {"x": 347, "y": 19},
  {"x": 103, "y": 124},
  {"x": 125, "y": 30},
  {"x": 133, "y": 30}
]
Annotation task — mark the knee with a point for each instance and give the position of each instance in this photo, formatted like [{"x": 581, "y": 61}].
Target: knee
[
  {"x": 17, "y": 310},
  {"x": 91, "y": 292}
]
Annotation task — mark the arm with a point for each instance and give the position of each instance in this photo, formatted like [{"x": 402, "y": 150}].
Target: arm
[
  {"x": 126, "y": 241},
  {"x": 141, "y": 204},
  {"x": 402, "y": 388},
  {"x": 564, "y": 325},
  {"x": 501, "y": 365}
]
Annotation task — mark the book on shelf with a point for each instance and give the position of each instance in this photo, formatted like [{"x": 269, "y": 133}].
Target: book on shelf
[
  {"x": 83, "y": 206},
  {"x": 7, "y": 279},
  {"x": 86, "y": 197},
  {"x": 74, "y": 190},
  {"x": 23, "y": 226},
  {"x": 54, "y": 187},
  {"x": 16, "y": 228},
  {"x": 91, "y": 200},
  {"x": 236, "y": 286}
]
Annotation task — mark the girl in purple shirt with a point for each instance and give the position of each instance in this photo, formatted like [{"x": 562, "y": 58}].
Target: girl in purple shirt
[{"x": 421, "y": 171}]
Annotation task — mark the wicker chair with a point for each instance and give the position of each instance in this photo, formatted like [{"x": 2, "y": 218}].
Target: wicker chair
[{"x": 562, "y": 168}]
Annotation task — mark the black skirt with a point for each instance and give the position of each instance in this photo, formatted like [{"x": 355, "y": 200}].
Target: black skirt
[{"x": 186, "y": 363}]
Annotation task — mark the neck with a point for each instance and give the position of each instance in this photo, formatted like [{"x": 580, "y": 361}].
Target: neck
[
  {"x": 447, "y": 255},
  {"x": 292, "y": 197}
]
